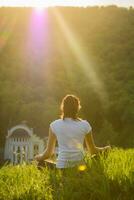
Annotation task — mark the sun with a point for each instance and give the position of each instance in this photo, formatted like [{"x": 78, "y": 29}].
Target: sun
[
  {"x": 39, "y": 8},
  {"x": 40, "y": 5}
]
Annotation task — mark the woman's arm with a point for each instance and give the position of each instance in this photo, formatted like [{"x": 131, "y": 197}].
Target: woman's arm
[
  {"x": 49, "y": 151},
  {"x": 91, "y": 145}
]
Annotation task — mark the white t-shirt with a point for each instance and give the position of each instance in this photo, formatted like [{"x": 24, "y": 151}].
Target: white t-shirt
[{"x": 70, "y": 135}]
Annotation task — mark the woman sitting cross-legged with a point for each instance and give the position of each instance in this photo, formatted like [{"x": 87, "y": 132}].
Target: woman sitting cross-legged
[{"x": 70, "y": 132}]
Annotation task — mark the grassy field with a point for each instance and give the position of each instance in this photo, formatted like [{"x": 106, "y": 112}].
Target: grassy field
[{"x": 108, "y": 177}]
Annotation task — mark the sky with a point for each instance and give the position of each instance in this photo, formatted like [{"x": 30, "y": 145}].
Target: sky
[{"x": 46, "y": 3}]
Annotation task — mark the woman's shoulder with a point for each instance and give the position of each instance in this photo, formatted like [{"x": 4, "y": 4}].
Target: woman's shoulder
[
  {"x": 56, "y": 121},
  {"x": 86, "y": 125},
  {"x": 84, "y": 121}
]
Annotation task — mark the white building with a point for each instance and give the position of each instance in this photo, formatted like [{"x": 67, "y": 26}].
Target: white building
[{"x": 22, "y": 144}]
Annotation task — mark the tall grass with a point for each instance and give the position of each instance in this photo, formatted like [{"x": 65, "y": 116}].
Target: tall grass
[{"x": 108, "y": 177}]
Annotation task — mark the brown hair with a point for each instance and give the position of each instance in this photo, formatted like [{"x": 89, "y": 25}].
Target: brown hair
[{"x": 70, "y": 106}]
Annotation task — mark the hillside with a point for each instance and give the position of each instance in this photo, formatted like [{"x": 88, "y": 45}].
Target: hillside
[
  {"x": 109, "y": 177},
  {"x": 85, "y": 51}
]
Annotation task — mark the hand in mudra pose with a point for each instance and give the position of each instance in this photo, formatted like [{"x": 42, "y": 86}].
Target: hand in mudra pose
[
  {"x": 40, "y": 157},
  {"x": 107, "y": 148},
  {"x": 89, "y": 143}
]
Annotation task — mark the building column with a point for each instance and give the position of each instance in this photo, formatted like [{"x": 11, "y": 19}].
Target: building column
[
  {"x": 16, "y": 154},
  {"x": 26, "y": 153},
  {"x": 21, "y": 154},
  {"x": 11, "y": 152},
  {"x": 30, "y": 151}
]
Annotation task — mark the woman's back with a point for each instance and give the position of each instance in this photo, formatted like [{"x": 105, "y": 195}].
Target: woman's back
[
  {"x": 70, "y": 133},
  {"x": 70, "y": 136}
]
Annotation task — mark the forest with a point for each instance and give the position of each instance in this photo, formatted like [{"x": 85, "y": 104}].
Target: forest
[{"x": 88, "y": 52}]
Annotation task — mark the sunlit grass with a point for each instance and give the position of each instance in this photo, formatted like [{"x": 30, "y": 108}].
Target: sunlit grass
[{"x": 106, "y": 177}]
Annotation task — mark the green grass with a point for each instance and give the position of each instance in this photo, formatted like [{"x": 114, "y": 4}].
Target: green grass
[{"x": 109, "y": 177}]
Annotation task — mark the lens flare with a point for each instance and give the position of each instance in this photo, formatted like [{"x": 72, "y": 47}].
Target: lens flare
[
  {"x": 82, "y": 168},
  {"x": 37, "y": 38}
]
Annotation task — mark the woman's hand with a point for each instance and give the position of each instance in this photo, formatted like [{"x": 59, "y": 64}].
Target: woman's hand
[
  {"x": 106, "y": 148},
  {"x": 49, "y": 149},
  {"x": 39, "y": 157}
]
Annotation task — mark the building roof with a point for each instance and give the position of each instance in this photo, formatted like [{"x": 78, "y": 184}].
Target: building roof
[{"x": 20, "y": 132}]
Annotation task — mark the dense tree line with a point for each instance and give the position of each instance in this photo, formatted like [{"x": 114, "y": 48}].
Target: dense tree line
[{"x": 85, "y": 51}]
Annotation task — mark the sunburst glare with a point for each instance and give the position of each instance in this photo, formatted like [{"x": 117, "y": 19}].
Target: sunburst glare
[
  {"x": 37, "y": 39},
  {"x": 47, "y": 3},
  {"x": 39, "y": 9}
]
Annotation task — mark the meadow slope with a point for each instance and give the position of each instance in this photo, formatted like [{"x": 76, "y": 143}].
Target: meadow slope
[{"x": 108, "y": 177}]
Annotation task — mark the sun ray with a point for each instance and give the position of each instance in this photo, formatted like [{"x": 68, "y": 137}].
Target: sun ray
[{"x": 82, "y": 57}]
